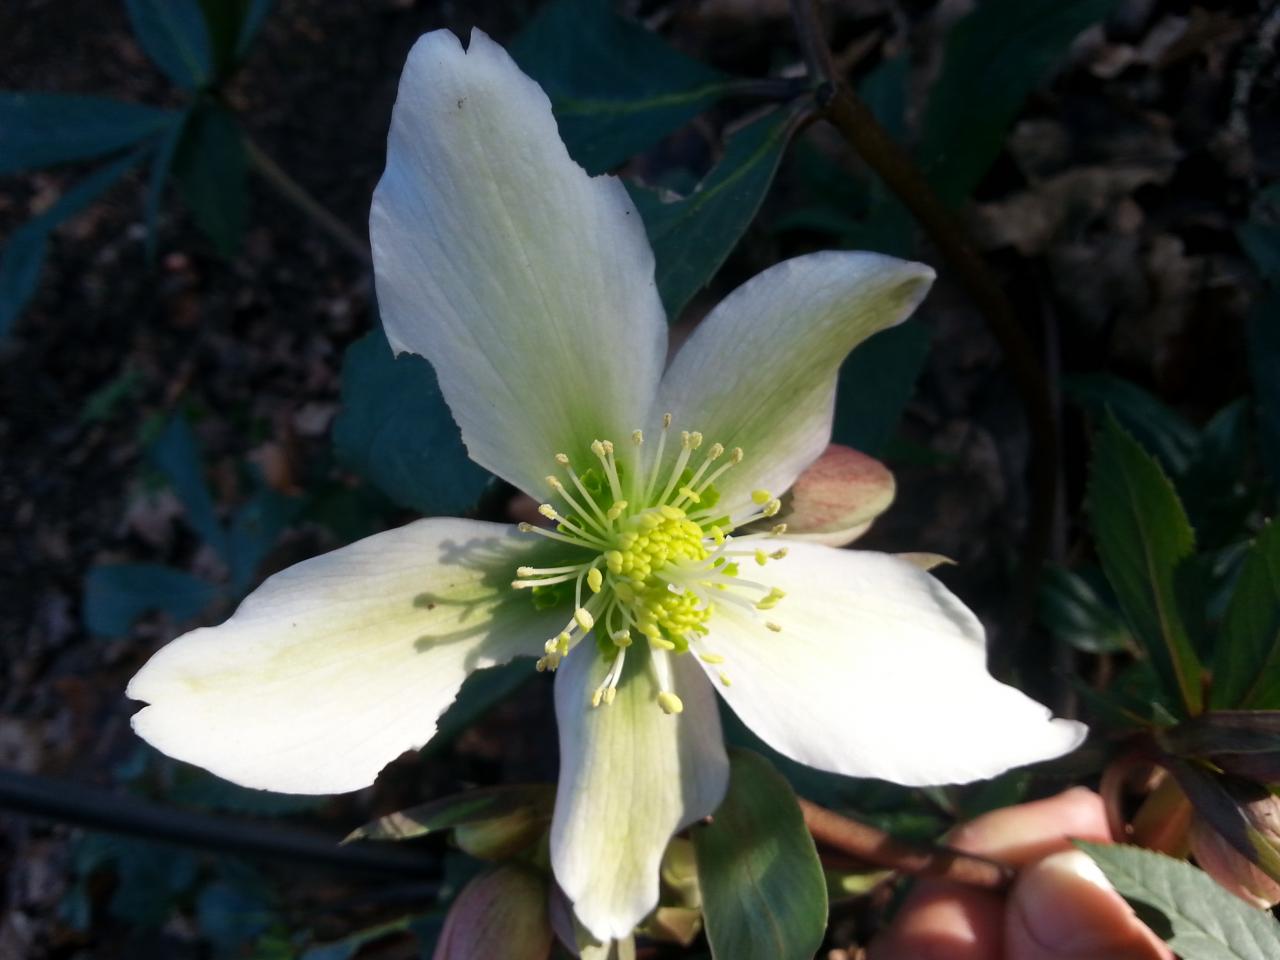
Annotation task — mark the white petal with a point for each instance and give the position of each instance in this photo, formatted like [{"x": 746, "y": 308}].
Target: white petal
[
  {"x": 335, "y": 666},
  {"x": 630, "y": 777},
  {"x": 878, "y": 671},
  {"x": 760, "y": 371},
  {"x": 528, "y": 284}
]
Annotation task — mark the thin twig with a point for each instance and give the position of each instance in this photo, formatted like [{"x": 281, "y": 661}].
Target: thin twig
[
  {"x": 876, "y": 848},
  {"x": 295, "y": 193},
  {"x": 859, "y": 127},
  {"x": 98, "y": 809},
  {"x": 813, "y": 43}
]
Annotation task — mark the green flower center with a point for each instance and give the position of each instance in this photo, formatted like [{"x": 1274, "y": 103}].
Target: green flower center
[{"x": 654, "y": 555}]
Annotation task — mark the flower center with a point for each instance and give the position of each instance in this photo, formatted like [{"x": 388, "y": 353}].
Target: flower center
[{"x": 656, "y": 555}]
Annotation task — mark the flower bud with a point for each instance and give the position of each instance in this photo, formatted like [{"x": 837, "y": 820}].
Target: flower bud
[
  {"x": 501, "y": 913},
  {"x": 501, "y": 838},
  {"x": 1218, "y": 858}
]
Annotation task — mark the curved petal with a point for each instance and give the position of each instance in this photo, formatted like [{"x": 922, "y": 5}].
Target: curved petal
[
  {"x": 878, "y": 671},
  {"x": 528, "y": 284},
  {"x": 334, "y": 667},
  {"x": 760, "y": 371},
  {"x": 630, "y": 777}
]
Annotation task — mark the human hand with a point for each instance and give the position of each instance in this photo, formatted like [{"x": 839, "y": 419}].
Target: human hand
[{"x": 1061, "y": 907}]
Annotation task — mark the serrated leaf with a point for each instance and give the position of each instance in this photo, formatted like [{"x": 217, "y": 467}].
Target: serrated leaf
[
  {"x": 212, "y": 171},
  {"x": 24, "y": 253},
  {"x": 764, "y": 896},
  {"x": 1071, "y": 607},
  {"x": 995, "y": 56},
  {"x": 693, "y": 236},
  {"x": 395, "y": 430},
  {"x": 1142, "y": 535},
  {"x": 446, "y": 813},
  {"x": 1201, "y": 920},
  {"x": 1156, "y": 427},
  {"x": 616, "y": 87},
  {"x": 115, "y": 595},
  {"x": 40, "y": 129},
  {"x": 175, "y": 37},
  {"x": 1246, "y": 670}
]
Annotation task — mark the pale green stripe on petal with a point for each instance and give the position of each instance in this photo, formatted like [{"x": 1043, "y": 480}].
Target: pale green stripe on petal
[
  {"x": 760, "y": 371},
  {"x": 878, "y": 671},
  {"x": 337, "y": 665},
  {"x": 630, "y": 777},
  {"x": 527, "y": 283}
]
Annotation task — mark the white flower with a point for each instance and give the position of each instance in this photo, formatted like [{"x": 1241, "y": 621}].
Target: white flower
[{"x": 530, "y": 287}]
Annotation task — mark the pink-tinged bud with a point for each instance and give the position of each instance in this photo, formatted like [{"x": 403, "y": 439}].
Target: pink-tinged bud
[
  {"x": 501, "y": 913},
  {"x": 1229, "y": 867},
  {"x": 836, "y": 498},
  {"x": 502, "y": 838}
]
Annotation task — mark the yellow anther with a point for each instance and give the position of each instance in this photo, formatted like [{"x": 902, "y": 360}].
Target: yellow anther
[
  {"x": 716, "y": 451},
  {"x": 621, "y": 638},
  {"x": 637, "y": 437},
  {"x": 731, "y": 569},
  {"x": 761, "y": 496},
  {"x": 775, "y": 627},
  {"x": 770, "y": 599},
  {"x": 670, "y": 512},
  {"x": 609, "y": 694},
  {"x": 562, "y": 644},
  {"x": 737, "y": 455},
  {"x": 686, "y": 438},
  {"x": 524, "y": 571},
  {"x": 771, "y": 508},
  {"x": 761, "y": 557},
  {"x": 690, "y": 494},
  {"x": 724, "y": 679},
  {"x": 779, "y": 553},
  {"x": 613, "y": 560},
  {"x": 597, "y": 697},
  {"x": 669, "y": 702},
  {"x": 597, "y": 448},
  {"x": 695, "y": 440},
  {"x": 779, "y": 529},
  {"x": 562, "y": 458},
  {"x": 661, "y": 643},
  {"x": 524, "y": 527},
  {"x": 711, "y": 658},
  {"x": 615, "y": 511},
  {"x": 551, "y": 645},
  {"x": 607, "y": 446},
  {"x": 717, "y": 535},
  {"x": 595, "y": 579},
  {"x": 584, "y": 619},
  {"x": 548, "y": 511}
]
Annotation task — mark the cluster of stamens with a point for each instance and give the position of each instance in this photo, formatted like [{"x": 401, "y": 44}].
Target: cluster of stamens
[{"x": 659, "y": 555}]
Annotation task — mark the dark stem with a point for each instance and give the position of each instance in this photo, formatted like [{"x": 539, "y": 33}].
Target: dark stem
[
  {"x": 315, "y": 211},
  {"x": 99, "y": 809},
  {"x": 854, "y": 120},
  {"x": 874, "y": 847}
]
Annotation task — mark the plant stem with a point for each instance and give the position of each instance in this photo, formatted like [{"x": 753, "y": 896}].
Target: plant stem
[
  {"x": 876, "y": 848},
  {"x": 842, "y": 108},
  {"x": 99, "y": 809},
  {"x": 314, "y": 210}
]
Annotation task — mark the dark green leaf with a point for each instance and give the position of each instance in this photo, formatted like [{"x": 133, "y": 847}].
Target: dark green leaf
[
  {"x": 39, "y": 129},
  {"x": 212, "y": 170},
  {"x": 876, "y": 381},
  {"x": 161, "y": 170},
  {"x": 694, "y": 235},
  {"x": 232, "y": 915},
  {"x": 1224, "y": 731},
  {"x": 616, "y": 88},
  {"x": 994, "y": 58},
  {"x": 175, "y": 454},
  {"x": 1213, "y": 485},
  {"x": 396, "y": 431},
  {"x": 254, "y": 530},
  {"x": 1072, "y": 609},
  {"x": 1142, "y": 537},
  {"x": 115, "y": 595},
  {"x": 252, "y": 17},
  {"x": 1246, "y": 671},
  {"x": 1261, "y": 241},
  {"x": 763, "y": 891},
  {"x": 426, "y": 927},
  {"x": 24, "y": 253},
  {"x": 174, "y": 34},
  {"x": 474, "y": 806},
  {"x": 1157, "y": 429},
  {"x": 1198, "y": 918}
]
